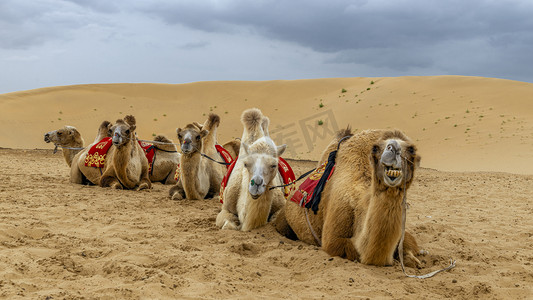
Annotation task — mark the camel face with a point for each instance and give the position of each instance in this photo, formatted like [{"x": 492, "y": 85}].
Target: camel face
[
  {"x": 191, "y": 138},
  {"x": 63, "y": 136},
  {"x": 261, "y": 169},
  {"x": 261, "y": 164},
  {"x": 122, "y": 133},
  {"x": 394, "y": 161}
]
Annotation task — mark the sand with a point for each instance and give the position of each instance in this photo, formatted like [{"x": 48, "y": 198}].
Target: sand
[{"x": 470, "y": 200}]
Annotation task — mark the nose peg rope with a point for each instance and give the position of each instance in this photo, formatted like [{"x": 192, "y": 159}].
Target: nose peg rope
[{"x": 404, "y": 216}]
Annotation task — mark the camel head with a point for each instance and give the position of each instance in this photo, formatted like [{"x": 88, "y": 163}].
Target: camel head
[
  {"x": 191, "y": 138},
  {"x": 65, "y": 136},
  {"x": 261, "y": 163},
  {"x": 123, "y": 131},
  {"x": 394, "y": 160}
]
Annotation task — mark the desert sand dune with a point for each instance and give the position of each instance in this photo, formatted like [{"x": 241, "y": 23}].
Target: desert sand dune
[
  {"x": 459, "y": 123},
  {"x": 471, "y": 200}
]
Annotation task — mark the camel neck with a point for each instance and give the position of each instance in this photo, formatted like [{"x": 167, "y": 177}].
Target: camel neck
[
  {"x": 382, "y": 227},
  {"x": 191, "y": 166},
  {"x": 69, "y": 154}
]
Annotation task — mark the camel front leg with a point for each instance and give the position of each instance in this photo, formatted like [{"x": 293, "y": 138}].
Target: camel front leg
[
  {"x": 177, "y": 192},
  {"x": 227, "y": 220},
  {"x": 145, "y": 182},
  {"x": 109, "y": 179},
  {"x": 338, "y": 231},
  {"x": 411, "y": 250}
]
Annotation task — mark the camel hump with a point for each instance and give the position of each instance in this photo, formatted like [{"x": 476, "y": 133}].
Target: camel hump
[
  {"x": 252, "y": 118},
  {"x": 344, "y": 133},
  {"x": 164, "y": 139},
  {"x": 212, "y": 121},
  {"x": 264, "y": 125},
  {"x": 130, "y": 120},
  {"x": 104, "y": 126}
]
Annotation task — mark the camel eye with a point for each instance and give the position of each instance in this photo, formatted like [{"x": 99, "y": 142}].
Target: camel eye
[
  {"x": 59, "y": 133},
  {"x": 127, "y": 131},
  {"x": 272, "y": 166},
  {"x": 411, "y": 150},
  {"x": 109, "y": 131},
  {"x": 197, "y": 137},
  {"x": 246, "y": 165},
  {"x": 375, "y": 149}
]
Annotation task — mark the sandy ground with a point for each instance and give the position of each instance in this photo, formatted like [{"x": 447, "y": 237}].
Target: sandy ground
[
  {"x": 64, "y": 241},
  {"x": 60, "y": 240}
]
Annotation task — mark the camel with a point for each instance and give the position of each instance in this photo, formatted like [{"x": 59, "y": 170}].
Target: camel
[
  {"x": 359, "y": 215},
  {"x": 165, "y": 161},
  {"x": 71, "y": 142},
  {"x": 69, "y": 139},
  {"x": 125, "y": 165},
  {"x": 198, "y": 177},
  {"x": 248, "y": 201}
]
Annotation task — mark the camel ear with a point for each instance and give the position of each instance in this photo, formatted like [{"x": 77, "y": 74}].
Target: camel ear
[
  {"x": 130, "y": 120},
  {"x": 281, "y": 149},
  {"x": 178, "y": 130},
  {"x": 203, "y": 133},
  {"x": 417, "y": 161}
]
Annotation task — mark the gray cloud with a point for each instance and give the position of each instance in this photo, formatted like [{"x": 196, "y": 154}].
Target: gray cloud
[
  {"x": 397, "y": 35},
  {"x": 184, "y": 41}
]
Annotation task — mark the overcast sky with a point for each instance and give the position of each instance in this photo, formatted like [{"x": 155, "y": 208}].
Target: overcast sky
[{"x": 59, "y": 42}]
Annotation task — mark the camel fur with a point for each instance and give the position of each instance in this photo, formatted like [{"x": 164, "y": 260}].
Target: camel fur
[
  {"x": 199, "y": 178},
  {"x": 248, "y": 200},
  {"x": 124, "y": 167},
  {"x": 65, "y": 138},
  {"x": 165, "y": 162},
  {"x": 81, "y": 174},
  {"x": 359, "y": 216}
]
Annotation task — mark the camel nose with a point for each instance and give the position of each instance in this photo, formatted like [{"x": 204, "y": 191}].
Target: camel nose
[
  {"x": 47, "y": 137},
  {"x": 256, "y": 180},
  {"x": 391, "y": 154}
]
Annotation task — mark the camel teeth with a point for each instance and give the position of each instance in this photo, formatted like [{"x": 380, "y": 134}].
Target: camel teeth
[{"x": 394, "y": 173}]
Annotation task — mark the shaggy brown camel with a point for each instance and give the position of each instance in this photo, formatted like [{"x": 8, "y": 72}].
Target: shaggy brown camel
[
  {"x": 359, "y": 215},
  {"x": 199, "y": 178},
  {"x": 68, "y": 139},
  {"x": 126, "y": 165},
  {"x": 81, "y": 174},
  {"x": 232, "y": 146},
  {"x": 122, "y": 169},
  {"x": 166, "y": 157},
  {"x": 248, "y": 200}
]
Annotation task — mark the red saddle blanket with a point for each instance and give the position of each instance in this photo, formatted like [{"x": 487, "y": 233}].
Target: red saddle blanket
[
  {"x": 98, "y": 152},
  {"x": 304, "y": 194},
  {"x": 285, "y": 170},
  {"x": 221, "y": 151}
]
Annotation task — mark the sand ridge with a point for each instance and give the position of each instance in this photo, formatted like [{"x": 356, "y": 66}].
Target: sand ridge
[{"x": 459, "y": 123}]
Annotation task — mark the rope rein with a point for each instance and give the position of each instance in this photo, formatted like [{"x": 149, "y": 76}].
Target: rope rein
[
  {"x": 212, "y": 159},
  {"x": 318, "y": 241},
  {"x": 299, "y": 178},
  {"x": 404, "y": 217}
]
